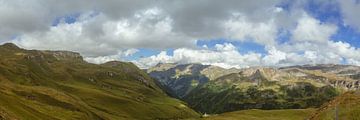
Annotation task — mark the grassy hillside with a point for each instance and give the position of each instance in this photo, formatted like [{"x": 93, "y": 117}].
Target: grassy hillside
[
  {"x": 345, "y": 107},
  {"x": 60, "y": 85},
  {"x": 290, "y": 114}
]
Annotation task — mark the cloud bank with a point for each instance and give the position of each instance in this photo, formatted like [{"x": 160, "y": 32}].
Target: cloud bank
[{"x": 115, "y": 29}]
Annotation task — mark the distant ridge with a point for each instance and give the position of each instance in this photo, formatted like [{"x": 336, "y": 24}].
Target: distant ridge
[{"x": 212, "y": 89}]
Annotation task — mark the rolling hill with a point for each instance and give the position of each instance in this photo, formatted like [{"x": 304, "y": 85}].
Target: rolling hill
[{"x": 61, "y": 85}]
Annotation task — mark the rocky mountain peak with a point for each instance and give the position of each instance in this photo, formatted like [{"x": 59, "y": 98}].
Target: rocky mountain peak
[
  {"x": 257, "y": 77},
  {"x": 162, "y": 67}
]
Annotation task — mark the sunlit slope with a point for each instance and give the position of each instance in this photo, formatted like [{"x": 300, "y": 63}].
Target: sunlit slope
[
  {"x": 344, "y": 107},
  {"x": 60, "y": 85}
]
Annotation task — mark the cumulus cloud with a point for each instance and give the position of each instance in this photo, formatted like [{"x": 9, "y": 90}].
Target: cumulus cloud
[
  {"x": 310, "y": 43},
  {"x": 25, "y": 16},
  {"x": 225, "y": 55},
  {"x": 119, "y": 56},
  {"x": 114, "y": 29},
  {"x": 126, "y": 24},
  {"x": 146, "y": 29},
  {"x": 349, "y": 10},
  {"x": 18, "y": 18},
  {"x": 312, "y": 30},
  {"x": 240, "y": 28},
  {"x": 274, "y": 57},
  {"x": 103, "y": 28}
]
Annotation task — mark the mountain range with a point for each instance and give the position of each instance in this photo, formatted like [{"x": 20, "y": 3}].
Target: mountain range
[
  {"x": 211, "y": 89},
  {"x": 41, "y": 84}
]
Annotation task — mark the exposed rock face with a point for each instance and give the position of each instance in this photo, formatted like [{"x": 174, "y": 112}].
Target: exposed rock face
[
  {"x": 65, "y": 55},
  {"x": 341, "y": 70},
  {"x": 348, "y": 85},
  {"x": 52, "y": 56},
  {"x": 339, "y": 76},
  {"x": 162, "y": 67}
]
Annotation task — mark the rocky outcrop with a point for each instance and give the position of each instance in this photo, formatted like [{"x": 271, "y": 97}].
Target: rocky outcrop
[
  {"x": 346, "y": 84},
  {"x": 65, "y": 55},
  {"x": 257, "y": 77}
]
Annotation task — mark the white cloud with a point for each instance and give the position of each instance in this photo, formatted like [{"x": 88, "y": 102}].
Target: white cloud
[
  {"x": 312, "y": 30},
  {"x": 123, "y": 24},
  {"x": 354, "y": 62},
  {"x": 349, "y": 9},
  {"x": 240, "y": 28},
  {"x": 225, "y": 47},
  {"x": 146, "y": 29},
  {"x": 130, "y": 52},
  {"x": 225, "y": 55},
  {"x": 17, "y": 18},
  {"x": 162, "y": 57},
  {"x": 274, "y": 57},
  {"x": 113, "y": 29},
  {"x": 311, "y": 55},
  {"x": 311, "y": 43},
  {"x": 119, "y": 56}
]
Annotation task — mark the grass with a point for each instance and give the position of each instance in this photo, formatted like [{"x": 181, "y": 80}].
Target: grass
[
  {"x": 289, "y": 114},
  {"x": 347, "y": 105}
]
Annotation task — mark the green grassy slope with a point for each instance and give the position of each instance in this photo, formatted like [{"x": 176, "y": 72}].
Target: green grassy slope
[
  {"x": 347, "y": 106},
  {"x": 290, "y": 114},
  {"x": 60, "y": 85}
]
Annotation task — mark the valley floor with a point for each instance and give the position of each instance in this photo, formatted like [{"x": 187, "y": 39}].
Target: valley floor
[{"x": 289, "y": 114}]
